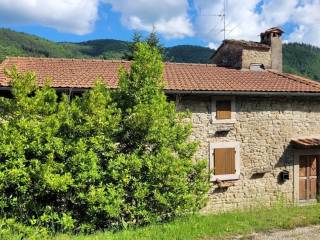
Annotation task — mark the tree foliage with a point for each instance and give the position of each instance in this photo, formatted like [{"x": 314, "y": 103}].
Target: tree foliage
[
  {"x": 101, "y": 160},
  {"x": 152, "y": 40},
  {"x": 302, "y": 59},
  {"x": 136, "y": 38}
]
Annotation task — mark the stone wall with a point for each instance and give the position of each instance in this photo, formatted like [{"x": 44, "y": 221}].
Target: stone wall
[
  {"x": 264, "y": 128},
  {"x": 250, "y": 56},
  {"x": 235, "y": 56}
]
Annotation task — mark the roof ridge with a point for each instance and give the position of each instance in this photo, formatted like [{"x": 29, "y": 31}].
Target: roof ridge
[
  {"x": 296, "y": 78},
  {"x": 258, "y": 44},
  {"x": 66, "y": 59},
  {"x": 191, "y": 64},
  {"x": 102, "y": 60},
  {"x": 303, "y": 79},
  {"x": 241, "y": 40}
]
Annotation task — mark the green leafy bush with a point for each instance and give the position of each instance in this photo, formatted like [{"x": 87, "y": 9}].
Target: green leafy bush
[
  {"x": 13, "y": 230},
  {"x": 101, "y": 160}
]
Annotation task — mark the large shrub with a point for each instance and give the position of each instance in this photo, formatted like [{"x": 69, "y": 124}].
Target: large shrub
[{"x": 101, "y": 160}]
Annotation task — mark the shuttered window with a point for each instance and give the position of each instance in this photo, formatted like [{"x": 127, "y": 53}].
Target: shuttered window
[
  {"x": 223, "y": 109},
  {"x": 224, "y": 161}
]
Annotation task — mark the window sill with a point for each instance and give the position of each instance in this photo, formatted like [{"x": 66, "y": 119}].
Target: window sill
[
  {"x": 225, "y": 184},
  {"x": 227, "y": 177},
  {"x": 222, "y": 127},
  {"x": 222, "y": 121}
]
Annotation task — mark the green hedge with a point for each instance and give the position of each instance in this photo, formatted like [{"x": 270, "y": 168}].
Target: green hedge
[{"x": 103, "y": 160}]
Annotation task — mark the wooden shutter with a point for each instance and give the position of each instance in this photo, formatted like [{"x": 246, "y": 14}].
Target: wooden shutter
[
  {"x": 302, "y": 189},
  {"x": 307, "y": 177},
  {"x": 224, "y": 161},
  {"x": 223, "y": 109},
  {"x": 313, "y": 177},
  {"x": 313, "y": 188},
  {"x": 313, "y": 166}
]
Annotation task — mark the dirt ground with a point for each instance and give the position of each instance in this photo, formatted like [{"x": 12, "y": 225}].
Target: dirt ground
[{"x": 303, "y": 233}]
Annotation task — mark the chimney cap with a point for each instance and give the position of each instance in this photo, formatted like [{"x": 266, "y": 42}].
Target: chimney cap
[{"x": 274, "y": 30}]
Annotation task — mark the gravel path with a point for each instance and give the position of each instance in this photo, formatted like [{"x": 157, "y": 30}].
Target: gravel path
[{"x": 304, "y": 233}]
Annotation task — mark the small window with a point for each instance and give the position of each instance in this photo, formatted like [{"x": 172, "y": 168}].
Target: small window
[
  {"x": 223, "y": 109},
  {"x": 224, "y": 161}
]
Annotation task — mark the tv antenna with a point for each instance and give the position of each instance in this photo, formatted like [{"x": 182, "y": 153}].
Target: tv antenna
[{"x": 223, "y": 17}]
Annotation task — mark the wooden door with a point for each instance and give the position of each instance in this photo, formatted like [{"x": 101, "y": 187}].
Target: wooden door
[{"x": 308, "y": 177}]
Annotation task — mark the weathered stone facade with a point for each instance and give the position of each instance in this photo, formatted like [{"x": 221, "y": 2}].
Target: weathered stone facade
[
  {"x": 264, "y": 127},
  {"x": 252, "y": 56},
  {"x": 236, "y": 56},
  {"x": 266, "y": 54}
]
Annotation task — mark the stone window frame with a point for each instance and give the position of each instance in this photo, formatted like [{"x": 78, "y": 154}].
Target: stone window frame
[
  {"x": 226, "y": 177},
  {"x": 233, "y": 118}
]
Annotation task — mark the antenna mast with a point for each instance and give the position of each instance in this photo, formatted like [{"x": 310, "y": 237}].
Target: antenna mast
[
  {"x": 224, "y": 19},
  {"x": 222, "y": 15}
]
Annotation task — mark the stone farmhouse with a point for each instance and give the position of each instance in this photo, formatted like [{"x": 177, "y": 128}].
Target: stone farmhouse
[{"x": 258, "y": 128}]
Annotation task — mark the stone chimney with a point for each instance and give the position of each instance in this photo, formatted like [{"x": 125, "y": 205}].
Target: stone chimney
[
  {"x": 272, "y": 37},
  {"x": 254, "y": 56}
]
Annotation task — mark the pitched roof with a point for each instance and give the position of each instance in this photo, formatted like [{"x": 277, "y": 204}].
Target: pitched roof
[{"x": 77, "y": 73}]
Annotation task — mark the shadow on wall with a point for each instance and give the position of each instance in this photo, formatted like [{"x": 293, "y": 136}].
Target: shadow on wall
[{"x": 284, "y": 164}]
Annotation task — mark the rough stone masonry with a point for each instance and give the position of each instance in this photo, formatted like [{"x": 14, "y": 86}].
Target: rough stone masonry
[{"x": 264, "y": 127}]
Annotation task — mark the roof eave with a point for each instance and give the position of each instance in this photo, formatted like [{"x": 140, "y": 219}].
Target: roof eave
[
  {"x": 242, "y": 93},
  {"x": 196, "y": 92}
]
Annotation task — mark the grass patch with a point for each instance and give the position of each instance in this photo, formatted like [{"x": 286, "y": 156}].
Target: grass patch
[
  {"x": 215, "y": 226},
  {"x": 192, "y": 227}
]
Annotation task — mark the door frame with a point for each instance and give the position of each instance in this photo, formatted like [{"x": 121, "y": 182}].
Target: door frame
[{"x": 296, "y": 168}]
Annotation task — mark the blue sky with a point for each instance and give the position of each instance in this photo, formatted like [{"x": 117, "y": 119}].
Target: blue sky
[{"x": 177, "y": 21}]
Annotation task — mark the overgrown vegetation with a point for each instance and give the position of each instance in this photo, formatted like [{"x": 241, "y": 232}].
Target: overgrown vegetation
[
  {"x": 192, "y": 227},
  {"x": 104, "y": 160},
  {"x": 218, "y": 226}
]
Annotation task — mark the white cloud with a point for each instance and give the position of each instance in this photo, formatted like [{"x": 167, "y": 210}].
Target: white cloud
[
  {"x": 246, "y": 20},
  {"x": 172, "y": 18},
  {"x": 307, "y": 17},
  {"x": 242, "y": 21},
  {"x": 169, "y": 17},
  {"x": 71, "y": 16},
  {"x": 212, "y": 45},
  {"x": 278, "y": 12}
]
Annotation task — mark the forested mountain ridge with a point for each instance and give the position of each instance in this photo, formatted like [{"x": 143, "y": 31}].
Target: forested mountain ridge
[
  {"x": 302, "y": 59},
  {"x": 299, "y": 58},
  {"x": 21, "y": 44}
]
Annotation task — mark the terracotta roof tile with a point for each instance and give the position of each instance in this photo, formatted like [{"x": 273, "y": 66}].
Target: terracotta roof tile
[
  {"x": 306, "y": 142},
  {"x": 77, "y": 73}
]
